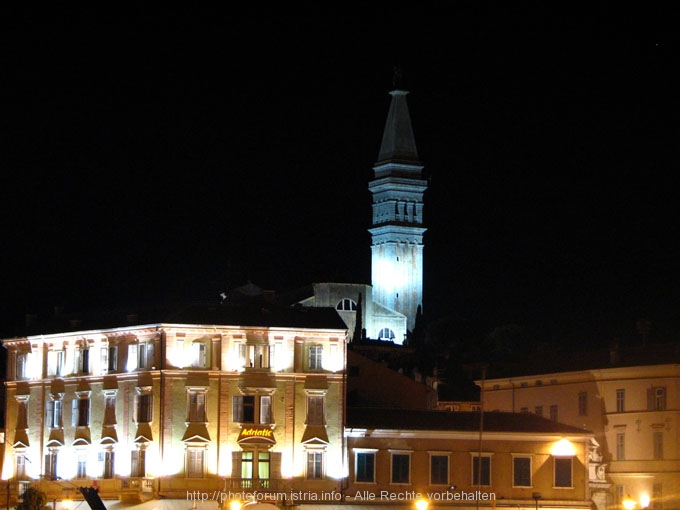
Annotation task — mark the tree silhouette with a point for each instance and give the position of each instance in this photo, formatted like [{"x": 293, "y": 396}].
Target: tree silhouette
[{"x": 33, "y": 499}]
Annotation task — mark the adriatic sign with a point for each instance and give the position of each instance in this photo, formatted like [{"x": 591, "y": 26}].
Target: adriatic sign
[{"x": 257, "y": 433}]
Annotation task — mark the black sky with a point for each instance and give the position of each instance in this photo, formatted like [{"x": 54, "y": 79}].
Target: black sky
[{"x": 169, "y": 156}]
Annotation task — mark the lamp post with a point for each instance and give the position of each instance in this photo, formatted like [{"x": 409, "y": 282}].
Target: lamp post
[
  {"x": 536, "y": 496},
  {"x": 422, "y": 504}
]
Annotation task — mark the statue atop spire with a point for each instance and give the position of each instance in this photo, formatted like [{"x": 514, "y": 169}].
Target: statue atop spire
[{"x": 397, "y": 78}]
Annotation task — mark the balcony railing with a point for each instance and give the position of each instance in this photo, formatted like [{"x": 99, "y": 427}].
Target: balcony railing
[{"x": 255, "y": 484}]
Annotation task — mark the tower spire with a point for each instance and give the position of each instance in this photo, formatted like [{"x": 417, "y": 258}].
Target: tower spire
[{"x": 397, "y": 230}]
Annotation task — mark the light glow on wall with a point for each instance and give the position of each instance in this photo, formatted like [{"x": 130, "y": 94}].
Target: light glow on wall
[
  {"x": 563, "y": 448},
  {"x": 333, "y": 361}
]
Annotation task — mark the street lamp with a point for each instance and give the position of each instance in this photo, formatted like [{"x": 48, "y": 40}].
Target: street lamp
[
  {"x": 628, "y": 503},
  {"x": 235, "y": 504},
  {"x": 536, "y": 496},
  {"x": 422, "y": 504}
]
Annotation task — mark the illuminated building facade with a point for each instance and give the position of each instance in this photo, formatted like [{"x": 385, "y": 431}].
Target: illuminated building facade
[
  {"x": 633, "y": 410},
  {"x": 222, "y": 398},
  {"x": 398, "y": 455}
]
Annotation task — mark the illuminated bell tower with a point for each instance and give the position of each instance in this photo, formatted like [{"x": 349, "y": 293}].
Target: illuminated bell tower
[{"x": 397, "y": 231}]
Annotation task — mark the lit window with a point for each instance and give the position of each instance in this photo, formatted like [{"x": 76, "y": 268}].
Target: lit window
[
  {"x": 315, "y": 410},
  {"x": 80, "y": 411},
  {"x": 657, "y": 399},
  {"x": 620, "y": 401},
  {"x": 314, "y": 465},
  {"x": 81, "y": 465},
  {"x": 144, "y": 407},
  {"x": 364, "y": 469},
  {"x": 196, "y": 406},
  {"x": 439, "y": 469},
  {"x": 583, "y": 403},
  {"x": 563, "y": 472},
  {"x": 195, "y": 462},
  {"x": 481, "y": 471},
  {"x": 138, "y": 463},
  {"x": 53, "y": 414},
  {"x": 401, "y": 468},
  {"x": 199, "y": 355},
  {"x": 243, "y": 409},
  {"x": 620, "y": 446},
  {"x": 386, "y": 334},
  {"x": 315, "y": 357},
  {"x": 55, "y": 363},
  {"x": 347, "y": 305},
  {"x": 521, "y": 471}
]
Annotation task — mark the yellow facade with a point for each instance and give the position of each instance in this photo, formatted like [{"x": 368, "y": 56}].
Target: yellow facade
[{"x": 173, "y": 411}]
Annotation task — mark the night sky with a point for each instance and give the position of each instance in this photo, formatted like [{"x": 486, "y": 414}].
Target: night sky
[{"x": 166, "y": 157}]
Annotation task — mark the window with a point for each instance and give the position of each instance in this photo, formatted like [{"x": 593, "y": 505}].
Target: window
[
  {"x": 20, "y": 466},
  {"x": 195, "y": 462},
  {"x": 196, "y": 406},
  {"x": 144, "y": 408},
  {"x": 265, "y": 409},
  {"x": 620, "y": 446},
  {"x": 315, "y": 357},
  {"x": 347, "y": 305},
  {"x": 243, "y": 409},
  {"x": 263, "y": 465},
  {"x": 658, "y": 445},
  {"x": 524, "y": 410},
  {"x": 81, "y": 465},
  {"x": 481, "y": 471},
  {"x": 364, "y": 470},
  {"x": 109, "y": 458},
  {"x": 81, "y": 360},
  {"x": 138, "y": 463},
  {"x": 620, "y": 401},
  {"x": 401, "y": 468},
  {"x": 563, "y": 472},
  {"x": 80, "y": 407},
  {"x": 132, "y": 358},
  {"x": 619, "y": 494},
  {"x": 657, "y": 496},
  {"x": 553, "y": 413},
  {"x": 199, "y": 355},
  {"x": 51, "y": 464},
  {"x": 55, "y": 363},
  {"x": 314, "y": 465},
  {"x": 539, "y": 410},
  {"x": 247, "y": 465},
  {"x": 315, "y": 410},
  {"x": 656, "y": 399},
  {"x": 386, "y": 334},
  {"x": 439, "y": 469},
  {"x": 521, "y": 471},
  {"x": 53, "y": 414},
  {"x": 583, "y": 403},
  {"x": 22, "y": 365}
]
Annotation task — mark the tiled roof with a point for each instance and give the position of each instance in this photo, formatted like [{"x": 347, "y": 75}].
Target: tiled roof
[{"x": 464, "y": 421}]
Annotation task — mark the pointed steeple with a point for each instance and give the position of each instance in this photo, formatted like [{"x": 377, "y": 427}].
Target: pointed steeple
[{"x": 398, "y": 143}]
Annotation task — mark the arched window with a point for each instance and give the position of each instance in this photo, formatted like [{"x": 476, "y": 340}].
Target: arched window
[
  {"x": 386, "y": 334},
  {"x": 346, "y": 305}
]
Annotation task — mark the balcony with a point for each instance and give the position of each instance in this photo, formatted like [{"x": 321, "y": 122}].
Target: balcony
[{"x": 255, "y": 484}]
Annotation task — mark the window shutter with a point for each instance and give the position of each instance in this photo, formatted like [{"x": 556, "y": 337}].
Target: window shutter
[
  {"x": 236, "y": 464},
  {"x": 650, "y": 399},
  {"x": 275, "y": 465}
]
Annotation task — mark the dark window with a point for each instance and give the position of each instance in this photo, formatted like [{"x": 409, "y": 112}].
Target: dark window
[
  {"x": 563, "y": 472},
  {"x": 485, "y": 471},
  {"x": 144, "y": 408},
  {"x": 314, "y": 465},
  {"x": 521, "y": 469},
  {"x": 400, "y": 468},
  {"x": 244, "y": 409},
  {"x": 439, "y": 470},
  {"x": 365, "y": 470},
  {"x": 583, "y": 403}
]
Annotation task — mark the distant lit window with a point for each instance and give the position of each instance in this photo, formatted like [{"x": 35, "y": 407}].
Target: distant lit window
[
  {"x": 620, "y": 446},
  {"x": 656, "y": 399},
  {"x": 346, "y": 305},
  {"x": 583, "y": 403},
  {"x": 620, "y": 401},
  {"x": 386, "y": 334}
]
